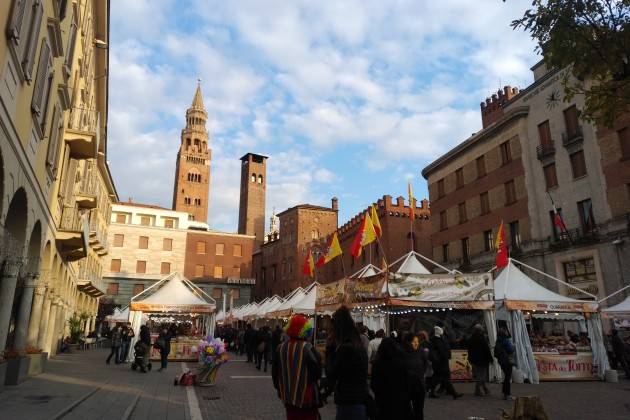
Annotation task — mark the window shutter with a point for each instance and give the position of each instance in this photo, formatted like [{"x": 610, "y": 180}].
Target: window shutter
[
  {"x": 72, "y": 40},
  {"x": 41, "y": 81},
  {"x": 69, "y": 181},
  {"x": 16, "y": 23},
  {"x": 51, "y": 155},
  {"x": 31, "y": 47}
]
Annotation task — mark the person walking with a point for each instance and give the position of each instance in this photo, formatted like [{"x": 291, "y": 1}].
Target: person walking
[
  {"x": 480, "y": 357},
  {"x": 416, "y": 368},
  {"x": 276, "y": 340},
  {"x": 145, "y": 342},
  {"x": 267, "y": 348},
  {"x": 440, "y": 355},
  {"x": 621, "y": 354},
  {"x": 116, "y": 343},
  {"x": 391, "y": 382},
  {"x": 346, "y": 367},
  {"x": 128, "y": 334},
  {"x": 296, "y": 370},
  {"x": 504, "y": 352},
  {"x": 163, "y": 344},
  {"x": 365, "y": 340},
  {"x": 249, "y": 338},
  {"x": 373, "y": 348}
]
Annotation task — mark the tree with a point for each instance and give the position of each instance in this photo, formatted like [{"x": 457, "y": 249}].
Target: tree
[{"x": 591, "y": 39}]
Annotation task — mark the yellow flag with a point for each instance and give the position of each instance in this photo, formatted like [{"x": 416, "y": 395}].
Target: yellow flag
[
  {"x": 411, "y": 201},
  {"x": 376, "y": 222}
]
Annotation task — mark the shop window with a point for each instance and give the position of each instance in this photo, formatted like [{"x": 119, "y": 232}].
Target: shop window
[
  {"x": 115, "y": 266},
  {"x": 199, "y": 270},
  {"x": 506, "y": 153},
  {"x": 459, "y": 178},
  {"x": 143, "y": 242},
  {"x": 217, "y": 293},
  {"x": 119, "y": 239},
  {"x": 141, "y": 267},
  {"x": 112, "y": 289},
  {"x": 238, "y": 250},
  {"x": 201, "y": 247},
  {"x": 219, "y": 249},
  {"x": 137, "y": 289},
  {"x": 510, "y": 193},
  {"x": 484, "y": 203},
  {"x": 481, "y": 167},
  {"x": 218, "y": 272},
  {"x": 167, "y": 244},
  {"x": 551, "y": 179},
  {"x": 488, "y": 243},
  {"x": 165, "y": 268},
  {"x": 578, "y": 165}
]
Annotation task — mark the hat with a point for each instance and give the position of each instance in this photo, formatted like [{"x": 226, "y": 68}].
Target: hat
[
  {"x": 438, "y": 331},
  {"x": 299, "y": 327},
  {"x": 478, "y": 326}
]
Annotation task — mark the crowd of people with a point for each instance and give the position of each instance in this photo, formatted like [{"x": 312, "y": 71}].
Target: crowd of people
[{"x": 367, "y": 374}]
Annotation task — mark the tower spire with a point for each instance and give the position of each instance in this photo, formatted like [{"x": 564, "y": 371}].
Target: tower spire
[{"x": 197, "y": 102}]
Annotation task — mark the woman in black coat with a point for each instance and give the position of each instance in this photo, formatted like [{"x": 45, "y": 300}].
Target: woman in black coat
[
  {"x": 390, "y": 382},
  {"x": 440, "y": 355},
  {"x": 480, "y": 357},
  {"x": 416, "y": 368},
  {"x": 163, "y": 343}
]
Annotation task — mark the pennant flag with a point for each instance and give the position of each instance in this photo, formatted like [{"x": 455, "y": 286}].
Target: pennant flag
[
  {"x": 411, "y": 201},
  {"x": 334, "y": 250},
  {"x": 376, "y": 222},
  {"x": 501, "y": 247},
  {"x": 309, "y": 265},
  {"x": 365, "y": 235},
  {"x": 557, "y": 220}
]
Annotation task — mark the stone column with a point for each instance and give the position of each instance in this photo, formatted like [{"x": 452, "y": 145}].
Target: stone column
[
  {"x": 8, "y": 282},
  {"x": 42, "y": 332},
  {"x": 52, "y": 324},
  {"x": 24, "y": 311},
  {"x": 36, "y": 313}
]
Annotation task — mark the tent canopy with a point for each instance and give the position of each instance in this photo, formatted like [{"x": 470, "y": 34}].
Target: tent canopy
[
  {"x": 411, "y": 265},
  {"x": 306, "y": 306},
  {"x": 622, "y": 308},
  {"x": 119, "y": 315},
  {"x": 514, "y": 285},
  {"x": 367, "y": 271},
  {"x": 174, "y": 293}
]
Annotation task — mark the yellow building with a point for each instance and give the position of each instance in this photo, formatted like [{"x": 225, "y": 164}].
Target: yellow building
[{"x": 55, "y": 187}]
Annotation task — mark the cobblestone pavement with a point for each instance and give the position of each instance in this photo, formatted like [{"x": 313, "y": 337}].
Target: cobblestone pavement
[{"x": 244, "y": 393}]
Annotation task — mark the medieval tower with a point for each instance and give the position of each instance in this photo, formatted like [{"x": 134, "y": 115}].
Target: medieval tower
[
  {"x": 192, "y": 174},
  {"x": 251, "y": 215}
]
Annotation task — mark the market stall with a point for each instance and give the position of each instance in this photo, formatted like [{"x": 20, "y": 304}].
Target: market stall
[
  {"x": 174, "y": 303},
  {"x": 556, "y": 337},
  {"x": 284, "y": 310},
  {"x": 620, "y": 315}
]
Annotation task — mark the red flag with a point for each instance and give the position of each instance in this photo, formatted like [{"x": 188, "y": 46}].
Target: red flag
[
  {"x": 334, "y": 250},
  {"x": 502, "y": 250},
  {"x": 365, "y": 235},
  {"x": 309, "y": 265},
  {"x": 557, "y": 220}
]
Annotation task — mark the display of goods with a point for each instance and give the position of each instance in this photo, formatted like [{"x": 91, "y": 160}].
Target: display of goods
[{"x": 212, "y": 350}]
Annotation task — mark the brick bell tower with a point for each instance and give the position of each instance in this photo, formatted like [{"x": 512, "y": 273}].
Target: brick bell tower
[
  {"x": 251, "y": 215},
  {"x": 192, "y": 174}
]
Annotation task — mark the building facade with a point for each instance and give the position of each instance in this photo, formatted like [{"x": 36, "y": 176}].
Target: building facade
[
  {"x": 192, "y": 173},
  {"x": 55, "y": 186},
  {"x": 251, "y": 214},
  {"x": 278, "y": 263},
  {"x": 556, "y": 161}
]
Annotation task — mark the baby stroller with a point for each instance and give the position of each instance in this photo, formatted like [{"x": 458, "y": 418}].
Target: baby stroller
[{"x": 139, "y": 350}]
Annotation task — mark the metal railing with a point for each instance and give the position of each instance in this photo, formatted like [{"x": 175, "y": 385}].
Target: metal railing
[
  {"x": 544, "y": 150},
  {"x": 577, "y": 236},
  {"x": 569, "y": 138}
]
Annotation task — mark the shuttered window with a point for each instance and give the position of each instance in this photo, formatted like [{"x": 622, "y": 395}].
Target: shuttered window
[
  {"x": 235, "y": 293},
  {"x": 510, "y": 193},
  {"x": 236, "y": 271},
  {"x": 624, "y": 142},
  {"x": 42, "y": 83},
  {"x": 506, "y": 154},
  {"x": 167, "y": 244},
  {"x": 69, "y": 180},
  {"x": 544, "y": 133},
  {"x": 551, "y": 180},
  {"x": 33, "y": 36},
  {"x": 484, "y": 202},
  {"x": 462, "y": 212},
  {"x": 201, "y": 247},
  {"x": 218, "y": 271},
  {"x": 138, "y": 288},
  {"x": 459, "y": 178},
  {"x": 481, "y": 167},
  {"x": 141, "y": 267},
  {"x": 112, "y": 289},
  {"x": 238, "y": 250},
  {"x": 119, "y": 239},
  {"x": 165, "y": 268},
  {"x": 115, "y": 266},
  {"x": 217, "y": 293},
  {"x": 56, "y": 127},
  {"x": 443, "y": 220},
  {"x": 578, "y": 165},
  {"x": 143, "y": 242},
  {"x": 440, "y": 185},
  {"x": 121, "y": 218},
  {"x": 16, "y": 26},
  {"x": 199, "y": 270},
  {"x": 220, "y": 248},
  {"x": 72, "y": 40}
]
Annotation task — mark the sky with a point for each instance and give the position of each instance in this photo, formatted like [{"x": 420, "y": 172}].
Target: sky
[{"x": 347, "y": 98}]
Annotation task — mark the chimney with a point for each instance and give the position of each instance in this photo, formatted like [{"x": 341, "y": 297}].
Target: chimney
[
  {"x": 334, "y": 203},
  {"x": 492, "y": 108}
]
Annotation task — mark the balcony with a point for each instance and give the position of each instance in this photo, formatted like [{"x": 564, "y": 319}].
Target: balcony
[
  {"x": 545, "y": 150},
  {"x": 83, "y": 133},
  {"x": 98, "y": 237},
  {"x": 72, "y": 234},
  {"x": 89, "y": 282},
  {"x": 575, "y": 237},
  {"x": 573, "y": 137},
  {"x": 87, "y": 197}
]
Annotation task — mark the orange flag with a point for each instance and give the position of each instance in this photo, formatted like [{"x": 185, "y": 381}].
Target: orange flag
[
  {"x": 501, "y": 247},
  {"x": 365, "y": 235},
  {"x": 309, "y": 265},
  {"x": 334, "y": 250},
  {"x": 376, "y": 222}
]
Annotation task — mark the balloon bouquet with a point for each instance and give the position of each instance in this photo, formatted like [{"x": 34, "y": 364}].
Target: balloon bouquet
[{"x": 212, "y": 355}]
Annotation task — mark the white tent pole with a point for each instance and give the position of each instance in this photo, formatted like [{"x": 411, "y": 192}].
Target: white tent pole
[
  {"x": 556, "y": 279},
  {"x": 613, "y": 294},
  {"x": 152, "y": 286}
]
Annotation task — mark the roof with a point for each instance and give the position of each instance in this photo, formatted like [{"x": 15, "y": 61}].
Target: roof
[
  {"x": 307, "y": 207},
  {"x": 620, "y": 308},
  {"x": 411, "y": 265},
  {"x": 245, "y": 156},
  {"x": 173, "y": 293},
  {"x": 146, "y": 206},
  {"x": 197, "y": 102},
  {"x": 515, "y": 113},
  {"x": 522, "y": 287}
]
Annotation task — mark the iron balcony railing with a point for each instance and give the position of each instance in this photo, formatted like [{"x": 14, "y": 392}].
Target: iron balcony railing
[
  {"x": 570, "y": 138},
  {"x": 544, "y": 150}
]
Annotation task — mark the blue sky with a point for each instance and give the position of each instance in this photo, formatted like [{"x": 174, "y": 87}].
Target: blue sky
[{"x": 347, "y": 98}]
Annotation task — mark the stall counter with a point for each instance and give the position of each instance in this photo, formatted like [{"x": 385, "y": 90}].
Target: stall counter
[{"x": 183, "y": 349}]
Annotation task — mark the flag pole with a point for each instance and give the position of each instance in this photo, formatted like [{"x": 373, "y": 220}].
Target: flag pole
[
  {"x": 378, "y": 241},
  {"x": 343, "y": 266},
  {"x": 412, "y": 216}
]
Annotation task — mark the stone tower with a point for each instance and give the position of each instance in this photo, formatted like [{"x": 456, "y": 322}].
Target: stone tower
[
  {"x": 192, "y": 174},
  {"x": 251, "y": 215}
]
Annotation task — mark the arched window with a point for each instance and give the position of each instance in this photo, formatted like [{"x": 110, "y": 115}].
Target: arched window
[
  {"x": 197, "y": 142},
  {"x": 188, "y": 142},
  {"x": 260, "y": 179},
  {"x": 253, "y": 177}
]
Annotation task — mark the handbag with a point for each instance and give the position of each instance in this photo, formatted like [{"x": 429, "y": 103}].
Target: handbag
[
  {"x": 261, "y": 347},
  {"x": 160, "y": 343}
]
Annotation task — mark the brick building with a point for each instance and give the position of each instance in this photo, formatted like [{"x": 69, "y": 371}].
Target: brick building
[
  {"x": 278, "y": 264},
  {"x": 553, "y": 155},
  {"x": 251, "y": 214}
]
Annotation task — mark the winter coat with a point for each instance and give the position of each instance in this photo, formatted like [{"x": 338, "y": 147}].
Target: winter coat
[
  {"x": 504, "y": 352},
  {"x": 416, "y": 366},
  {"x": 166, "y": 348},
  {"x": 346, "y": 373},
  {"x": 116, "y": 338},
  {"x": 145, "y": 336},
  {"x": 478, "y": 350},
  {"x": 391, "y": 387},
  {"x": 440, "y": 355}
]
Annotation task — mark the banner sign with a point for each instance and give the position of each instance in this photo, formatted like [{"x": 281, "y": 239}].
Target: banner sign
[
  {"x": 551, "y": 306},
  {"x": 331, "y": 293},
  {"x": 177, "y": 308},
  {"x": 553, "y": 367},
  {"x": 441, "y": 287},
  {"x": 461, "y": 369},
  {"x": 362, "y": 289}
]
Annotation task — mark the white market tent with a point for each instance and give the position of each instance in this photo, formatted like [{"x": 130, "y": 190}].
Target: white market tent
[
  {"x": 514, "y": 292},
  {"x": 119, "y": 315},
  {"x": 289, "y": 301},
  {"x": 411, "y": 265},
  {"x": 621, "y": 309},
  {"x": 265, "y": 306},
  {"x": 306, "y": 306},
  {"x": 245, "y": 312},
  {"x": 367, "y": 271}
]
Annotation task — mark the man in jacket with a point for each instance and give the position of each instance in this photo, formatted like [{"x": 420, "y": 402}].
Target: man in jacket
[
  {"x": 250, "y": 338},
  {"x": 116, "y": 343},
  {"x": 480, "y": 357},
  {"x": 297, "y": 371},
  {"x": 128, "y": 334},
  {"x": 619, "y": 348},
  {"x": 440, "y": 355}
]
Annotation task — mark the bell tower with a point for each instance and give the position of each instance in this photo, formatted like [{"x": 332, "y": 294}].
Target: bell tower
[{"x": 192, "y": 174}]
